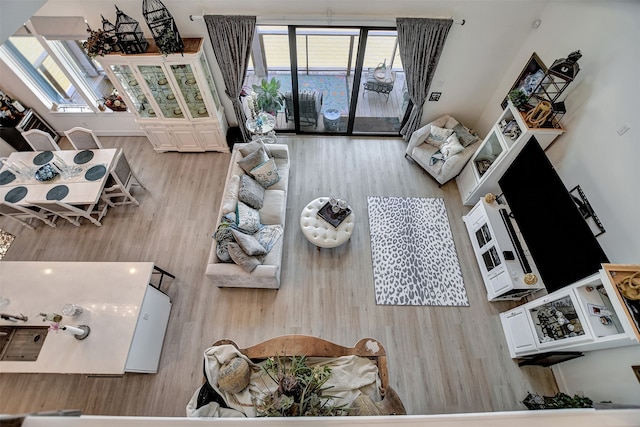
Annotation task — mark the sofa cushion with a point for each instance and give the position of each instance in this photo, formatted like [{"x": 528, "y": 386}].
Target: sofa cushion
[
  {"x": 247, "y": 218},
  {"x": 451, "y": 147},
  {"x": 247, "y": 262},
  {"x": 254, "y": 146},
  {"x": 283, "y": 173},
  {"x": 465, "y": 137},
  {"x": 252, "y": 160},
  {"x": 251, "y": 192},
  {"x": 249, "y": 244},
  {"x": 437, "y": 136},
  {"x": 266, "y": 174},
  {"x": 274, "y": 208},
  {"x": 230, "y": 196},
  {"x": 268, "y": 236}
]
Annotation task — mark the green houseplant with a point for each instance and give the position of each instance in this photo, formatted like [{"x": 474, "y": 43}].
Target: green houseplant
[
  {"x": 268, "y": 95},
  {"x": 518, "y": 98}
]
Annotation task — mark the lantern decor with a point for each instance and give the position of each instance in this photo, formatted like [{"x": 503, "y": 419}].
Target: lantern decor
[
  {"x": 554, "y": 82},
  {"x": 110, "y": 34},
  {"x": 129, "y": 34},
  {"x": 162, "y": 26}
]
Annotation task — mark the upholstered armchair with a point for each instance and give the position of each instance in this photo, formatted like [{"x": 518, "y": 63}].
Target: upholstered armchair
[
  {"x": 310, "y": 105},
  {"x": 429, "y": 157}
]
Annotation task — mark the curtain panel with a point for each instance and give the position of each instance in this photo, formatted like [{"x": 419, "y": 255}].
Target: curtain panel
[
  {"x": 420, "y": 41},
  {"x": 231, "y": 38}
]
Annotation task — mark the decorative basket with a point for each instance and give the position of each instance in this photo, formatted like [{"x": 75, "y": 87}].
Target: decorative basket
[{"x": 234, "y": 375}]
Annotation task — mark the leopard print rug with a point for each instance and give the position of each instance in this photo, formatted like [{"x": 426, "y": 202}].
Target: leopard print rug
[{"x": 414, "y": 256}]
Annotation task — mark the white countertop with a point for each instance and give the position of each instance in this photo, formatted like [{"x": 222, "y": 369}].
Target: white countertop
[{"x": 111, "y": 294}]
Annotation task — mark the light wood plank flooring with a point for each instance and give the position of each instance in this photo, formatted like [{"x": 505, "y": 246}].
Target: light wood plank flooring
[{"x": 441, "y": 359}]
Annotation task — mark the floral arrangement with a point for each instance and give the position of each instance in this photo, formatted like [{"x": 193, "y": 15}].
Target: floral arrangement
[
  {"x": 97, "y": 44},
  {"x": 115, "y": 102},
  {"x": 300, "y": 390}
]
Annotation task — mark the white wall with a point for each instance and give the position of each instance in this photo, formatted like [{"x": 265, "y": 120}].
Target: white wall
[
  {"x": 472, "y": 64},
  {"x": 603, "y": 97}
]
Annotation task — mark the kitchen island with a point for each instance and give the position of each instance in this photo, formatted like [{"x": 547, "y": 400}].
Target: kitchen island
[{"x": 127, "y": 316}]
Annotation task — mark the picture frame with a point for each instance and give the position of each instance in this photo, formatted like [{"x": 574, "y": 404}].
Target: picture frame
[{"x": 529, "y": 78}]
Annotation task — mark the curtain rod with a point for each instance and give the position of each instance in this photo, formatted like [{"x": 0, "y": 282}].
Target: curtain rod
[{"x": 265, "y": 20}]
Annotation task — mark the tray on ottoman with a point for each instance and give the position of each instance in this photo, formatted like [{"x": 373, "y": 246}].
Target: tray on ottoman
[{"x": 331, "y": 217}]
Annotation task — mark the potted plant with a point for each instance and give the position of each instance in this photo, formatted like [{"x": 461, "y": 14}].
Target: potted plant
[
  {"x": 518, "y": 98},
  {"x": 97, "y": 44},
  {"x": 268, "y": 95}
]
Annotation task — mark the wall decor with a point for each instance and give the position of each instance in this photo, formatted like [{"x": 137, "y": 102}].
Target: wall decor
[
  {"x": 529, "y": 78},
  {"x": 129, "y": 34},
  {"x": 162, "y": 26}
]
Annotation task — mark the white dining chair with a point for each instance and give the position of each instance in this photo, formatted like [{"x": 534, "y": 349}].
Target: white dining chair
[
  {"x": 56, "y": 208},
  {"x": 40, "y": 141},
  {"x": 121, "y": 178},
  {"x": 82, "y": 138},
  {"x": 23, "y": 215}
]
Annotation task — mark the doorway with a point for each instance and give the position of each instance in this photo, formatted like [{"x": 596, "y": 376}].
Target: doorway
[{"x": 345, "y": 81}]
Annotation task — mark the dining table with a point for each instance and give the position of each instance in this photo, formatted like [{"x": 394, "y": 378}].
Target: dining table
[{"x": 75, "y": 177}]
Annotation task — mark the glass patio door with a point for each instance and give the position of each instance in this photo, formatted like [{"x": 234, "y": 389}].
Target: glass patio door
[{"x": 345, "y": 80}]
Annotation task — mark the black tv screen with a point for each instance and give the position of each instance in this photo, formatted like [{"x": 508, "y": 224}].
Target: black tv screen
[{"x": 560, "y": 241}]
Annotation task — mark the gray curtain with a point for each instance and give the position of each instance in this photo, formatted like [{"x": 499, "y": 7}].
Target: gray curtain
[
  {"x": 420, "y": 41},
  {"x": 231, "y": 37}
]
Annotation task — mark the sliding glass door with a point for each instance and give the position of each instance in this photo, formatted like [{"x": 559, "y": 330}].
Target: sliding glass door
[{"x": 344, "y": 80}]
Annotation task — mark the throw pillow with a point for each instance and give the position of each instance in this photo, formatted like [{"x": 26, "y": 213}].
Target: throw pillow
[
  {"x": 230, "y": 197},
  {"x": 247, "y": 218},
  {"x": 465, "y": 137},
  {"x": 266, "y": 173},
  {"x": 250, "y": 192},
  {"x": 248, "y": 243},
  {"x": 247, "y": 262},
  {"x": 223, "y": 236},
  {"x": 254, "y": 146},
  {"x": 268, "y": 236},
  {"x": 254, "y": 159},
  {"x": 451, "y": 147},
  {"x": 437, "y": 136}
]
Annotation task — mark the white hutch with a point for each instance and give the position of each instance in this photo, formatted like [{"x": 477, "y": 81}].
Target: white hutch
[
  {"x": 173, "y": 97},
  {"x": 494, "y": 155}
]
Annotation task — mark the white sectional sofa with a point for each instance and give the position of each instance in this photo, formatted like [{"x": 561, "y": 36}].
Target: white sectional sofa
[{"x": 266, "y": 275}]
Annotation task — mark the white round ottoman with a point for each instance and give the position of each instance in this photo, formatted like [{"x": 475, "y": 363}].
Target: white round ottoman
[{"x": 320, "y": 232}]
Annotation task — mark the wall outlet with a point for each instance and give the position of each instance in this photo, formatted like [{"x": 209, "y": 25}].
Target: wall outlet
[
  {"x": 623, "y": 129},
  {"x": 435, "y": 96}
]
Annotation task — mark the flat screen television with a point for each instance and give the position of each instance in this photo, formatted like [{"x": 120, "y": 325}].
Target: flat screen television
[{"x": 560, "y": 241}]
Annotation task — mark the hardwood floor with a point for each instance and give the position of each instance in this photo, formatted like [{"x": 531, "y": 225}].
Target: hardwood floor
[{"x": 441, "y": 359}]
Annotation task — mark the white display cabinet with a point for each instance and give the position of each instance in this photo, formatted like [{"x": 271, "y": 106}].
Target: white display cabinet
[
  {"x": 584, "y": 316},
  {"x": 503, "y": 262},
  {"x": 494, "y": 155},
  {"x": 173, "y": 97}
]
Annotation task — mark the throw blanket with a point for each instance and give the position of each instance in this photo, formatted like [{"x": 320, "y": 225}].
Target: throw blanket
[{"x": 350, "y": 376}]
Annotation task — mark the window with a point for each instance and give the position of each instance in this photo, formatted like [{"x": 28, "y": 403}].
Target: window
[{"x": 56, "y": 69}]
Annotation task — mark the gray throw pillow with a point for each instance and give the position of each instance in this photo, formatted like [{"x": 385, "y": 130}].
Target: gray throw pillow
[
  {"x": 268, "y": 235},
  {"x": 254, "y": 159},
  {"x": 254, "y": 146},
  {"x": 248, "y": 243},
  {"x": 247, "y": 262},
  {"x": 251, "y": 192},
  {"x": 464, "y": 136}
]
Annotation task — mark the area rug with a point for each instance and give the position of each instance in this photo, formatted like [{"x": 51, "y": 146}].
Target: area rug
[
  {"x": 414, "y": 256},
  {"x": 372, "y": 124},
  {"x": 335, "y": 93},
  {"x": 6, "y": 239}
]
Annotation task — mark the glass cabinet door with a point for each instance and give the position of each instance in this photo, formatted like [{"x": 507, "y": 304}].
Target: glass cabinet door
[
  {"x": 557, "y": 320},
  {"x": 210, "y": 84},
  {"x": 489, "y": 152},
  {"x": 131, "y": 86},
  {"x": 188, "y": 85},
  {"x": 161, "y": 91}
]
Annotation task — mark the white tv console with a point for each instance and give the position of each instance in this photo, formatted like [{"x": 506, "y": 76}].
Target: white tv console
[{"x": 503, "y": 260}]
